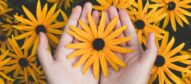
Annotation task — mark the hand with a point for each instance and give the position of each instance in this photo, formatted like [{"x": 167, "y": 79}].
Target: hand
[
  {"x": 140, "y": 62},
  {"x": 58, "y": 69}
]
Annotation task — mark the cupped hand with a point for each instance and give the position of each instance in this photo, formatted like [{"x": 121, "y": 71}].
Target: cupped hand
[
  {"x": 58, "y": 69},
  {"x": 140, "y": 62}
]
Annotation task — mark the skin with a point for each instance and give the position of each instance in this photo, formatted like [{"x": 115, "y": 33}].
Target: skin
[{"x": 58, "y": 69}]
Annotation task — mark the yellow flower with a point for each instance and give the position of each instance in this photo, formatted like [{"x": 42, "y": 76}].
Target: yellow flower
[
  {"x": 120, "y": 4},
  {"x": 45, "y": 22},
  {"x": 7, "y": 27},
  {"x": 3, "y": 61},
  {"x": 165, "y": 62},
  {"x": 97, "y": 45},
  {"x": 21, "y": 62},
  {"x": 39, "y": 76},
  {"x": 175, "y": 11},
  {"x": 142, "y": 19},
  {"x": 65, "y": 3},
  {"x": 4, "y": 9}
]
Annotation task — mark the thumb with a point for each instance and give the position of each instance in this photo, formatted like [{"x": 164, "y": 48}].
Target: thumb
[
  {"x": 149, "y": 56},
  {"x": 43, "y": 51}
]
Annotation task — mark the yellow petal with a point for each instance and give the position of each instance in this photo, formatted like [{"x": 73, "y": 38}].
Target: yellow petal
[
  {"x": 38, "y": 12},
  {"x": 29, "y": 15},
  {"x": 111, "y": 26},
  {"x": 101, "y": 25},
  {"x": 92, "y": 25},
  {"x": 103, "y": 63},
  {"x": 76, "y": 53},
  {"x": 116, "y": 33},
  {"x": 76, "y": 36},
  {"x": 96, "y": 66},
  {"x": 169, "y": 46},
  {"x": 25, "y": 35},
  {"x": 78, "y": 45},
  {"x": 175, "y": 50},
  {"x": 82, "y": 59},
  {"x": 114, "y": 58},
  {"x": 120, "y": 49},
  {"x": 172, "y": 20},
  {"x": 81, "y": 33}
]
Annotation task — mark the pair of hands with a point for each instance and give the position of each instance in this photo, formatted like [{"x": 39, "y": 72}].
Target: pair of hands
[{"x": 58, "y": 69}]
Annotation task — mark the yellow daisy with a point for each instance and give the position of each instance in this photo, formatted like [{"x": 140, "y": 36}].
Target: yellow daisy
[
  {"x": 4, "y": 9},
  {"x": 175, "y": 11},
  {"x": 165, "y": 62},
  {"x": 97, "y": 45},
  {"x": 142, "y": 19},
  {"x": 7, "y": 27},
  {"x": 21, "y": 62},
  {"x": 65, "y": 3},
  {"x": 120, "y": 4},
  {"x": 45, "y": 22},
  {"x": 3, "y": 61},
  {"x": 40, "y": 78}
]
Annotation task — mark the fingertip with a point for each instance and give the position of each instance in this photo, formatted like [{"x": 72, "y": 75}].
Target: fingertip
[
  {"x": 96, "y": 16},
  {"x": 88, "y": 4},
  {"x": 77, "y": 9},
  {"x": 151, "y": 42}
]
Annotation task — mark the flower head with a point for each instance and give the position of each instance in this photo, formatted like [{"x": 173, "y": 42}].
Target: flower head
[
  {"x": 21, "y": 62},
  {"x": 175, "y": 10},
  {"x": 98, "y": 44},
  {"x": 3, "y": 61},
  {"x": 143, "y": 20},
  {"x": 166, "y": 62},
  {"x": 45, "y": 21}
]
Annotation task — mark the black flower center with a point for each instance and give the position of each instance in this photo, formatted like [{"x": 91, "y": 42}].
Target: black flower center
[
  {"x": 40, "y": 28},
  {"x": 171, "y": 6},
  {"x": 30, "y": 78},
  {"x": 140, "y": 24},
  {"x": 2, "y": 37},
  {"x": 160, "y": 61},
  {"x": 23, "y": 62},
  {"x": 98, "y": 44}
]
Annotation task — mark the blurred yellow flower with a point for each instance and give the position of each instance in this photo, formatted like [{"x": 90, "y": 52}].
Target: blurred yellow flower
[
  {"x": 45, "y": 22},
  {"x": 175, "y": 11},
  {"x": 21, "y": 61},
  {"x": 39, "y": 76},
  {"x": 143, "y": 18},
  {"x": 3, "y": 61},
  {"x": 165, "y": 62}
]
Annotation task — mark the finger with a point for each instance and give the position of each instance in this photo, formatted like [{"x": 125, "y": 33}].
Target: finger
[
  {"x": 87, "y": 8},
  {"x": 113, "y": 13},
  {"x": 43, "y": 51},
  {"x": 66, "y": 38},
  {"x": 130, "y": 31},
  {"x": 107, "y": 17},
  {"x": 96, "y": 16},
  {"x": 150, "y": 54}
]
